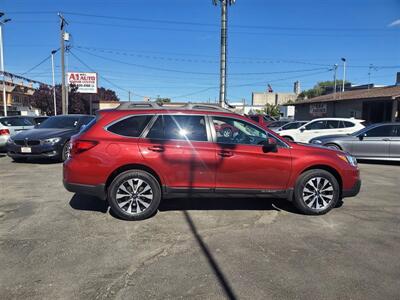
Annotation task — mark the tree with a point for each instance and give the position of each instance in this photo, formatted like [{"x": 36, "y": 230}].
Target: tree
[
  {"x": 270, "y": 110},
  {"x": 320, "y": 89},
  {"x": 77, "y": 103},
  {"x": 160, "y": 100}
]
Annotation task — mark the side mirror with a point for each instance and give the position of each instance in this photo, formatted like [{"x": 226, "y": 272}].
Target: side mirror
[
  {"x": 302, "y": 129},
  {"x": 270, "y": 146},
  {"x": 362, "y": 136}
]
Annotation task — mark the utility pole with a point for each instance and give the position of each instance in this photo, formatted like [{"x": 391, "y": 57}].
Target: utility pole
[
  {"x": 129, "y": 96},
  {"x": 54, "y": 82},
  {"x": 334, "y": 78},
  {"x": 224, "y": 35},
  {"x": 63, "y": 22},
  {"x": 344, "y": 73},
  {"x": 2, "y": 22}
]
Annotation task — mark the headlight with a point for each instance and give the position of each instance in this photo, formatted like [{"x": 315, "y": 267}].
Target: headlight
[
  {"x": 52, "y": 141},
  {"x": 349, "y": 159}
]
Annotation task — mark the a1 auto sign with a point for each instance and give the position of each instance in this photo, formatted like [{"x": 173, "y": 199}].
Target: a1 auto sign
[
  {"x": 85, "y": 82},
  {"x": 318, "y": 109}
]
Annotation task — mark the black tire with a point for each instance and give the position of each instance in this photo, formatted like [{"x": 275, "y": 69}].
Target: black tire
[
  {"x": 288, "y": 138},
  {"x": 303, "y": 200},
  {"x": 122, "y": 211},
  {"x": 64, "y": 155},
  {"x": 333, "y": 146},
  {"x": 20, "y": 159}
]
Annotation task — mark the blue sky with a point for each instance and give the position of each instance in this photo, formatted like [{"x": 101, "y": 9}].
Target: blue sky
[{"x": 171, "y": 48}]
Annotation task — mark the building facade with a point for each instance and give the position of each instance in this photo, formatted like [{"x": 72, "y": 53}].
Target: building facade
[
  {"x": 378, "y": 104},
  {"x": 18, "y": 96},
  {"x": 263, "y": 98}
]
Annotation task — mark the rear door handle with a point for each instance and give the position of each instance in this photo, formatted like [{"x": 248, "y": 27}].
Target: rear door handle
[
  {"x": 386, "y": 139},
  {"x": 157, "y": 148},
  {"x": 225, "y": 153}
]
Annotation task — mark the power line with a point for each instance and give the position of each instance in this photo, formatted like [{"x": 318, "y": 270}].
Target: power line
[
  {"x": 192, "y": 72},
  {"x": 37, "y": 65},
  {"x": 102, "y": 77},
  {"x": 145, "y": 20}
]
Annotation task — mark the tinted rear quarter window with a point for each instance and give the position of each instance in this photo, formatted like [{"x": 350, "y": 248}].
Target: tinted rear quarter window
[
  {"x": 168, "y": 127},
  {"x": 131, "y": 126},
  {"x": 385, "y": 130}
]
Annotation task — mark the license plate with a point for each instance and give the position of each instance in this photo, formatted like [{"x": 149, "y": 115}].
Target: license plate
[{"x": 26, "y": 150}]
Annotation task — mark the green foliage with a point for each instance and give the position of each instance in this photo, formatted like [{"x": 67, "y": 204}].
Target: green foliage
[
  {"x": 319, "y": 89},
  {"x": 270, "y": 110},
  {"x": 160, "y": 100}
]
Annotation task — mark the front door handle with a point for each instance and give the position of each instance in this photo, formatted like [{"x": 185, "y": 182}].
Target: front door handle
[
  {"x": 157, "y": 148},
  {"x": 386, "y": 139},
  {"x": 225, "y": 153}
]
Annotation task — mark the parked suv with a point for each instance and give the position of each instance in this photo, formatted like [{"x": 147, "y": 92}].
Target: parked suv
[
  {"x": 138, "y": 154},
  {"x": 322, "y": 126}
]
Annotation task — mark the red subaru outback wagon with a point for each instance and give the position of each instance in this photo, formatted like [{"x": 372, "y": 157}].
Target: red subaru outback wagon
[{"x": 140, "y": 153}]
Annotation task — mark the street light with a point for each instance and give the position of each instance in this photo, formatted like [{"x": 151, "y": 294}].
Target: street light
[
  {"x": 335, "y": 66},
  {"x": 344, "y": 72},
  {"x": 2, "y": 22}
]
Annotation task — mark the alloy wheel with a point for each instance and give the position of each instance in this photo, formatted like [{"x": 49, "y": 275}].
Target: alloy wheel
[
  {"x": 317, "y": 193},
  {"x": 134, "y": 196}
]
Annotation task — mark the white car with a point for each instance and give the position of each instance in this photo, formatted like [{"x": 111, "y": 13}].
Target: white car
[
  {"x": 322, "y": 126},
  {"x": 12, "y": 125}
]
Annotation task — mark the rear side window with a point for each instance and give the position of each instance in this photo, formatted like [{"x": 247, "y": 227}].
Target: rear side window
[
  {"x": 15, "y": 122},
  {"x": 332, "y": 124},
  {"x": 346, "y": 124},
  {"x": 385, "y": 130},
  {"x": 316, "y": 125},
  {"x": 171, "y": 127},
  {"x": 132, "y": 126}
]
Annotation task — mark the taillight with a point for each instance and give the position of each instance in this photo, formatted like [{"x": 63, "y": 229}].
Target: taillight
[
  {"x": 79, "y": 146},
  {"x": 4, "y": 132}
]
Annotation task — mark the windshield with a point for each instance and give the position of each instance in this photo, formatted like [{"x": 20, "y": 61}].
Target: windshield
[{"x": 68, "y": 122}]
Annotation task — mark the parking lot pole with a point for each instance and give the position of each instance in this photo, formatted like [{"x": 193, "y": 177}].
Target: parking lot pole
[
  {"x": 2, "y": 70},
  {"x": 54, "y": 84},
  {"x": 62, "y": 48}
]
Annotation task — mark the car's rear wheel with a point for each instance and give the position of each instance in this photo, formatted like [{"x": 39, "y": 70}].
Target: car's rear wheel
[
  {"x": 288, "y": 138},
  {"x": 316, "y": 192},
  {"x": 333, "y": 146},
  {"x": 134, "y": 195}
]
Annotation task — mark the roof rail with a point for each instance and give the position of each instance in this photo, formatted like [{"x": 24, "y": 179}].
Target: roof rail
[{"x": 170, "y": 106}]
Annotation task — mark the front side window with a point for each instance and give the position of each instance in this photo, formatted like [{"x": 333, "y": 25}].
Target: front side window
[
  {"x": 379, "y": 131},
  {"x": 233, "y": 131},
  {"x": 132, "y": 126},
  {"x": 175, "y": 127}
]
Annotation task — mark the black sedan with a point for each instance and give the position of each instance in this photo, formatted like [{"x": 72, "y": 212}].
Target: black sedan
[
  {"x": 375, "y": 142},
  {"x": 50, "y": 139}
]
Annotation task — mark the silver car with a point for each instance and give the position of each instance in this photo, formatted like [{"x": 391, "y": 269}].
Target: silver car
[
  {"x": 12, "y": 125},
  {"x": 375, "y": 142}
]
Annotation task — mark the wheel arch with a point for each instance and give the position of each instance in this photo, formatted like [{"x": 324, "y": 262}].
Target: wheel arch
[
  {"x": 128, "y": 167},
  {"x": 334, "y": 144},
  {"x": 327, "y": 168}
]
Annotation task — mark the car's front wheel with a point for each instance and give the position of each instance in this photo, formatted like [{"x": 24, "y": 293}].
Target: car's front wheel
[
  {"x": 316, "y": 192},
  {"x": 134, "y": 195}
]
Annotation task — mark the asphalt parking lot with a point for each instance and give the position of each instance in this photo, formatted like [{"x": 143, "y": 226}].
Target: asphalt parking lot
[{"x": 56, "y": 245}]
